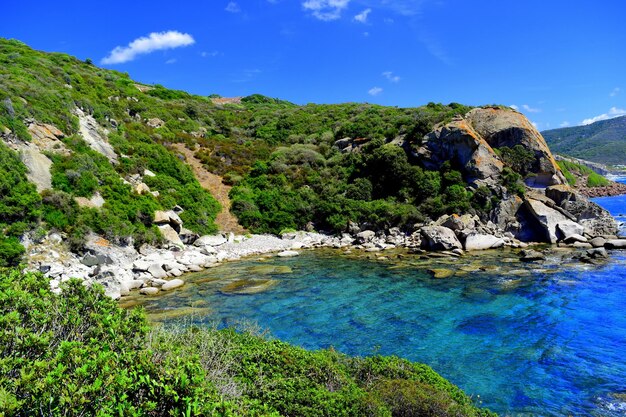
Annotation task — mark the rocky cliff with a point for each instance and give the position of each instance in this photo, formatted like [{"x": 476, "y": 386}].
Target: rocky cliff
[
  {"x": 471, "y": 143},
  {"x": 549, "y": 211}
]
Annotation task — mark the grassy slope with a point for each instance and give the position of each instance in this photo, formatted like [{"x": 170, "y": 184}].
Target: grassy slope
[{"x": 603, "y": 141}]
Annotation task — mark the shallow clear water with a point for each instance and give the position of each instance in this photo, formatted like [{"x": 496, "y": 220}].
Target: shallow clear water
[{"x": 529, "y": 339}]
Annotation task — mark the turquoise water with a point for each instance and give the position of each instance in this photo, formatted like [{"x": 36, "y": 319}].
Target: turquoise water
[{"x": 539, "y": 339}]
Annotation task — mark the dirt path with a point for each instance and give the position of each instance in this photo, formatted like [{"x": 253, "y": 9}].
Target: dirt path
[{"x": 226, "y": 221}]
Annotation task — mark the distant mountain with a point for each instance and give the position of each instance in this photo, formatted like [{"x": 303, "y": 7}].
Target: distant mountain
[{"x": 603, "y": 141}]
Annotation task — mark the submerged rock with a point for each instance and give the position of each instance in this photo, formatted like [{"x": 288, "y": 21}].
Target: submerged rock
[
  {"x": 441, "y": 273},
  {"x": 248, "y": 286}
]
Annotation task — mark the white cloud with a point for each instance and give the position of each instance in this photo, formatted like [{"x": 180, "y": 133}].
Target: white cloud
[
  {"x": 374, "y": 91},
  {"x": 232, "y": 7},
  {"x": 565, "y": 123},
  {"x": 389, "y": 76},
  {"x": 535, "y": 124},
  {"x": 514, "y": 107},
  {"x": 171, "y": 61},
  {"x": 615, "y": 92},
  {"x": 530, "y": 109},
  {"x": 613, "y": 112},
  {"x": 205, "y": 54},
  {"x": 362, "y": 17},
  {"x": 325, "y": 10},
  {"x": 155, "y": 41}
]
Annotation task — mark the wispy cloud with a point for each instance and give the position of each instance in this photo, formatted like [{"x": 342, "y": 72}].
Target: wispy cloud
[
  {"x": 325, "y": 10},
  {"x": 171, "y": 61},
  {"x": 403, "y": 7},
  {"x": 514, "y": 107},
  {"x": 529, "y": 109},
  {"x": 565, "y": 123},
  {"x": 374, "y": 91},
  {"x": 205, "y": 54},
  {"x": 362, "y": 17},
  {"x": 615, "y": 92},
  {"x": 391, "y": 77},
  {"x": 155, "y": 41},
  {"x": 535, "y": 124},
  {"x": 435, "y": 48},
  {"x": 613, "y": 112},
  {"x": 232, "y": 7}
]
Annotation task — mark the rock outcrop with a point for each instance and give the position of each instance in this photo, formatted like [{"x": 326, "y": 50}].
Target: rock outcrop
[
  {"x": 469, "y": 142},
  {"x": 503, "y": 127},
  {"x": 459, "y": 143},
  {"x": 95, "y": 135}
]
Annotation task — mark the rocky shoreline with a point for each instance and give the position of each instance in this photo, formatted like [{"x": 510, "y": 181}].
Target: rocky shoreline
[
  {"x": 611, "y": 190},
  {"x": 123, "y": 270}
]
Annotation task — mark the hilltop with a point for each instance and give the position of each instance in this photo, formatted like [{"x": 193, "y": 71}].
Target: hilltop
[
  {"x": 603, "y": 141},
  {"x": 106, "y": 155},
  {"x": 110, "y": 181}
]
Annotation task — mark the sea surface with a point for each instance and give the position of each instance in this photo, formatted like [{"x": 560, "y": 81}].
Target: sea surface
[{"x": 538, "y": 339}]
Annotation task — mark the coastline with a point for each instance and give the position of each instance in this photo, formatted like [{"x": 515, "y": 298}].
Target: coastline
[{"x": 123, "y": 271}]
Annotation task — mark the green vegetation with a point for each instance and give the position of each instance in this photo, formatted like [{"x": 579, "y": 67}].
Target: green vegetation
[
  {"x": 572, "y": 170},
  {"x": 77, "y": 353},
  {"x": 603, "y": 141},
  {"x": 47, "y": 87},
  {"x": 20, "y": 206},
  {"x": 280, "y": 157}
]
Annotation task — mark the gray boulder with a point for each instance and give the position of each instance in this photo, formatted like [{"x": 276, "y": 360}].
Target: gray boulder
[
  {"x": 365, "y": 236},
  {"x": 616, "y": 244},
  {"x": 549, "y": 218},
  {"x": 568, "y": 229},
  {"x": 157, "y": 271},
  {"x": 439, "y": 238},
  {"x": 171, "y": 236}
]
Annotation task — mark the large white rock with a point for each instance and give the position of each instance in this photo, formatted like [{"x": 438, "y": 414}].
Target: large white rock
[
  {"x": 616, "y": 244},
  {"x": 478, "y": 241},
  {"x": 569, "y": 229},
  {"x": 208, "y": 240},
  {"x": 157, "y": 271},
  {"x": 365, "y": 236},
  {"x": 170, "y": 285},
  {"x": 549, "y": 219},
  {"x": 287, "y": 253},
  {"x": 170, "y": 235}
]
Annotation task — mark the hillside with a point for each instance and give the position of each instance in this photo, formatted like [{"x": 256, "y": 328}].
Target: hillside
[{"x": 603, "y": 141}]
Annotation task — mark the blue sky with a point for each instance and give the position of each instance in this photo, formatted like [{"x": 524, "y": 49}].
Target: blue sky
[{"x": 560, "y": 62}]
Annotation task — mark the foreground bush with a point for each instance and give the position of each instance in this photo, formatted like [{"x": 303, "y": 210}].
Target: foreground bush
[{"x": 78, "y": 353}]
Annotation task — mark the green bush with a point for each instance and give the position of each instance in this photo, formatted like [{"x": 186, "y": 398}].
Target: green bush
[
  {"x": 596, "y": 180},
  {"x": 78, "y": 353}
]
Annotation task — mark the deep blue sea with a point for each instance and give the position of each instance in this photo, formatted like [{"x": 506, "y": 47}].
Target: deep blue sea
[{"x": 522, "y": 339}]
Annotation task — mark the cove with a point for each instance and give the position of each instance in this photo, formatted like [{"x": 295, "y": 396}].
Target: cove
[{"x": 544, "y": 339}]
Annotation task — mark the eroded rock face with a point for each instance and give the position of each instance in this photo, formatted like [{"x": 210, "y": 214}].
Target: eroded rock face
[
  {"x": 504, "y": 127},
  {"x": 459, "y": 143},
  {"x": 469, "y": 142},
  {"x": 94, "y": 135}
]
